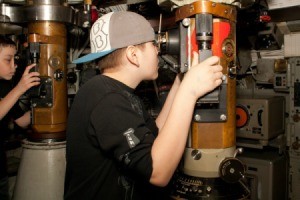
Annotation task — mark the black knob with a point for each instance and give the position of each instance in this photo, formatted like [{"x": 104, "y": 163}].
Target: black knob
[
  {"x": 232, "y": 170},
  {"x": 58, "y": 75}
]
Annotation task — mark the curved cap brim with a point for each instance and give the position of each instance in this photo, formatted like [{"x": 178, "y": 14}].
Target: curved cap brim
[{"x": 91, "y": 56}]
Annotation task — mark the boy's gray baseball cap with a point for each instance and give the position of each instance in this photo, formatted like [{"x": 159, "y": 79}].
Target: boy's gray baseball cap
[{"x": 116, "y": 30}]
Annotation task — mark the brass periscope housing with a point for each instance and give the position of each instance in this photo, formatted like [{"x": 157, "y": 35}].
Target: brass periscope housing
[
  {"x": 49, "y": 118},
  {"x": 209, "y": 168},
  {"x": 47, "y": 38},
  {"x": 217, "y": 135}
]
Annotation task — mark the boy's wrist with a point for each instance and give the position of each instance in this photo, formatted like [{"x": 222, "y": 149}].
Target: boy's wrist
[
  {"x": 187, "y": 91},
  {"x": 18, "y": 89}
]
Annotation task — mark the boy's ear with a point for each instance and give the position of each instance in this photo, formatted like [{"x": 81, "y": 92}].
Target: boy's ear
[{"x": 131, "y": 54}]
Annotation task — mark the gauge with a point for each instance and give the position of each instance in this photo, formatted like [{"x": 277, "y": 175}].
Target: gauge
[{"x": 228, "y": 49}]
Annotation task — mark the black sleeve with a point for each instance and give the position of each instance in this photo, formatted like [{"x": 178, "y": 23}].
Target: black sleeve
[
  {"x": 120, "y": 127},
  {"x": 16, "y": 111}
]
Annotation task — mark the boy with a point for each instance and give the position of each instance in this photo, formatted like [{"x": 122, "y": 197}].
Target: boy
[
  {"x": 114, "y": 149},
  {"x": 9, "y": 108}
]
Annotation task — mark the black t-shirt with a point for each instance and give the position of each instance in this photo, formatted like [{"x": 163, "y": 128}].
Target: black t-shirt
[
  {"x": 109, "y": 140},
  {"x": 14, "y": 113}
]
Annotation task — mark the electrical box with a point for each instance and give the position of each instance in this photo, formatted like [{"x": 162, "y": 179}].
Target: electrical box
[
  {"x": 260, "y": 118},
  {"x": 266, "y": 174}
]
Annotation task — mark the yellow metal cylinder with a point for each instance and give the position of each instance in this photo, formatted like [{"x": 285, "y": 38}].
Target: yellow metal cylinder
[{"x": 50, "y": 122}]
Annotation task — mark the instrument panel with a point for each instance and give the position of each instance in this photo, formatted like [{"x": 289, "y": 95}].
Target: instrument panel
[{"x": 260, "y": 117}]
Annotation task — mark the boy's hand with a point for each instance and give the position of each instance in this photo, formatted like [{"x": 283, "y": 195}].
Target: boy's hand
[
  {"x": 205, "y": 76},
  {"x": 28, "y": 79}
]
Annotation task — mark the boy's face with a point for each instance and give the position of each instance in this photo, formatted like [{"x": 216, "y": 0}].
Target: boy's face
[
  {"x": 150, "y": 61},
  {"x": 7, "y": 63}
]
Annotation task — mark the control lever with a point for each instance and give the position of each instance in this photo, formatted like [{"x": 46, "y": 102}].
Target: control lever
[{"x": 34, "y": 54}]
